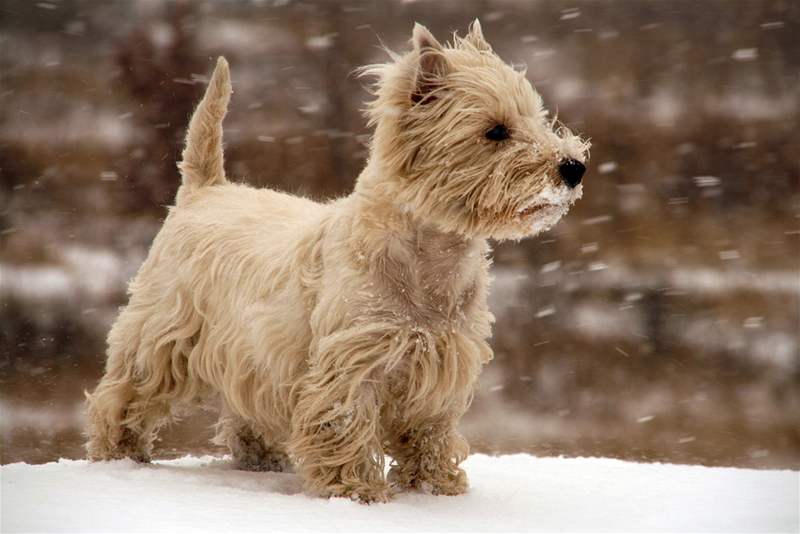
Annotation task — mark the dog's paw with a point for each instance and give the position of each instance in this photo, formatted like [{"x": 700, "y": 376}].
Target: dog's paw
[
  {"x": 273, "y": 462},
  {"x": 365, "y": 495},
  {"x": 450, "y": 487},
  {"x": 105, "y": 452},
  {"x": 398, "y": 479},
  {"x": 372, "y": 497},
  {"x": 432, "y": 484}
]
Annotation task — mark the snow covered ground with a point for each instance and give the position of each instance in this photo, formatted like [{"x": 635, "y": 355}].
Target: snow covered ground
[{"x": 509, "y": 493}]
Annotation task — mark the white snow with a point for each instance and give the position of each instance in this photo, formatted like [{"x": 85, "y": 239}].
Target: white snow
[
  {"x": 745, "y": 54},
  {"x": 321, "y": 42},
  {"x": 89, "y": 273},
  {"x": 508, "y": 493},
  {"x": 18, "y": 416},
  {"x": 607, "y": 167},
  {"x": 707, "y": 181}
]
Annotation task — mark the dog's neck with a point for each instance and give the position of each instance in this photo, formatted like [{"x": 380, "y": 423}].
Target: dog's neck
[
  {"x": 376, "y": 205},
  {"x": 431, "y": 268}
]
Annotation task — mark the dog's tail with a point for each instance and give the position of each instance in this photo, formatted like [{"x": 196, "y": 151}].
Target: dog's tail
[{"x": 202, "y": 160}]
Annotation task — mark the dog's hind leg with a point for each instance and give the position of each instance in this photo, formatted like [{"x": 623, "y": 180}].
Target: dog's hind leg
[
  {"x": 250, "y": 449},
  {"x": 109, "y": 438},
  {"x": 122, "y": 420},
  {"x": 146, "y": 380}
]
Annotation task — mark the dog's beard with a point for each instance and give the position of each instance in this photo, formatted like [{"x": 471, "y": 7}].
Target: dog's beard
[{"x": 546, "y": 208}]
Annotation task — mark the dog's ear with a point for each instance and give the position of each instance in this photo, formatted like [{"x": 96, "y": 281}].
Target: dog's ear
[
  {"x": 431, "y": 65},
  {"x": 475, "y": 37}
]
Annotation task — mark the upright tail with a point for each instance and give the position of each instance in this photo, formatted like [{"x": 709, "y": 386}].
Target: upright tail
[{"x": 202, "y": 160}]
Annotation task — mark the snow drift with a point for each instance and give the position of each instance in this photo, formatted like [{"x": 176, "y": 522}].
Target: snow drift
[{"x": 518, "y": 492}]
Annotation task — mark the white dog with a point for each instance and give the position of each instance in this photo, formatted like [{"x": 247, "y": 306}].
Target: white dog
[{"x": 334, "y": 333}]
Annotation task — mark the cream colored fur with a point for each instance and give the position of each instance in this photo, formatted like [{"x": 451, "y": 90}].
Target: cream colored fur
[{"x": 332, "y": 334}]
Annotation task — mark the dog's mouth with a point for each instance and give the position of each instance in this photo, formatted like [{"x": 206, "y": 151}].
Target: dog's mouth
[
  {"x": 540, "y": 212},
  {"x": 550, "y": 201},
  {"x": 525, "y": 212}
]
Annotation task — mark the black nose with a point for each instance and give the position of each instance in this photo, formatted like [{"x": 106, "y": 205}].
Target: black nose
[{"x": 571, "y": 171}]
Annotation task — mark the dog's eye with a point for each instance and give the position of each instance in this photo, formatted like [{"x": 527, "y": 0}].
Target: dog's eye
[{"x": 498, "y": 133}]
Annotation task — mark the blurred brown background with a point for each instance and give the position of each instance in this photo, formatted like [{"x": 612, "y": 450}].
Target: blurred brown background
[{"x": 658, "y": 321}]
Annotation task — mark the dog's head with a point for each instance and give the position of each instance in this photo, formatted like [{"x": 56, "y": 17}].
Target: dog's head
[{"x": 467, "y": 142}]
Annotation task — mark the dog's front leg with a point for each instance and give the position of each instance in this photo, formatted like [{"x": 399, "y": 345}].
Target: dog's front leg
[
  {"x": 335, "y": 439},
  {"x": 427, "y": 456}
]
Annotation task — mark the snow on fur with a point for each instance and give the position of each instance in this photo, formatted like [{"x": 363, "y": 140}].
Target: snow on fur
[{"x": 508, "y": 493}]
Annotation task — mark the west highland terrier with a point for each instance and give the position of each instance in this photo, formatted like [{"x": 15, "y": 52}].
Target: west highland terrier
[{"x": 333, "y": 334}]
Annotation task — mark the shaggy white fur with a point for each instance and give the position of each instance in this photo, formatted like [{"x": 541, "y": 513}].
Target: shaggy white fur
[{"x": 334, "y": 333}]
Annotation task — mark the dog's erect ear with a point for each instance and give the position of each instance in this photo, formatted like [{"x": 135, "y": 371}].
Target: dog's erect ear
[
  {"x": 431, "y": 67},
  {"x": 423, "y": 38},
  {"x": 475, "y": 36}
]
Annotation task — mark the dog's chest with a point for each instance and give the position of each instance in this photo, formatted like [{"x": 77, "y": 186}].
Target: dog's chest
[{"x": 436, "y": 280}]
